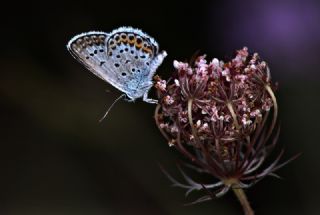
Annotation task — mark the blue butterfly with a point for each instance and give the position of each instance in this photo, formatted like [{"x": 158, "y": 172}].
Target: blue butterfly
[{"x": 127, "y": 58}]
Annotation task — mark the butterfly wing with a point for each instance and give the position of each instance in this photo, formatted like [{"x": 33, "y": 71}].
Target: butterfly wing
[
  {"x": 127, "y": 58},
  {"x": 91, "y": 51},
  {"x": 132, "y": 55}
]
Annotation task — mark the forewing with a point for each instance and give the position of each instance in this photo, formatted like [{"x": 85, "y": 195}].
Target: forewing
[{"x": 91, "y": 51}]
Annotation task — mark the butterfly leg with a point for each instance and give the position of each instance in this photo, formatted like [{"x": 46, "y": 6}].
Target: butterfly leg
[
  {"x": 146, "y": 89},
  {"x": 148, "y": 100},
  {"x": 129, "y": 100}
]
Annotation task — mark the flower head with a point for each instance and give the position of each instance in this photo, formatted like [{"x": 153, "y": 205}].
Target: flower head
[{"x": 216, "y": 114}]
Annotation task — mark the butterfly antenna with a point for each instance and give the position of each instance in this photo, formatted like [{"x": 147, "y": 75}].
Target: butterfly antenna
[{"x": 115, "y": 101}]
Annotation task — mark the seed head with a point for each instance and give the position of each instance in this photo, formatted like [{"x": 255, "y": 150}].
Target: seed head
[{"x": 216, "y": 114}]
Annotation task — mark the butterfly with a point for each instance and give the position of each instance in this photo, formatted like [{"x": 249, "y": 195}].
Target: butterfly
[{"x": 126, "y": 58}]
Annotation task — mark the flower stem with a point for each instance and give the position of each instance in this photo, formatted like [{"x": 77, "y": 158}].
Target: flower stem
[
  {"x": 243, "y": 200},
  {"x": 233, "y": 114},
  {"x": 275, "y": 110},
  {"x": 156, "y": 117},
  {"x": 194, "y": 132}
]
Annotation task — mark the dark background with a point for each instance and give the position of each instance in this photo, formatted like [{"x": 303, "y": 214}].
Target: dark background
[{"x": 57, "y": 159}]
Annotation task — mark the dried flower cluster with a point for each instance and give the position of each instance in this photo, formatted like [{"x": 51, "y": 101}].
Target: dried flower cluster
[{"x": 216, "y": 114}]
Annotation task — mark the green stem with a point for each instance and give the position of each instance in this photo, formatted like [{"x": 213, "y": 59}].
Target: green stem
[
  {"x": 240, "y": 194},
  {"x": 243, "y": 200}
]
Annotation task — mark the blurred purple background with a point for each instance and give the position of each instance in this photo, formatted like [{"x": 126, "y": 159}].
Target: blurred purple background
[
  {"x": 286, "y": 32},
  {"x": 57, "y": 159}
]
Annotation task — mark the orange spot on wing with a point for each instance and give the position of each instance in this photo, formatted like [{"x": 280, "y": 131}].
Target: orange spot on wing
[
  {"x": 124, "y": 40},
  {"x": 138, "y": 46},
  {"x": 132, "y": 41},
  {"x": 148, "y": 50}
]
